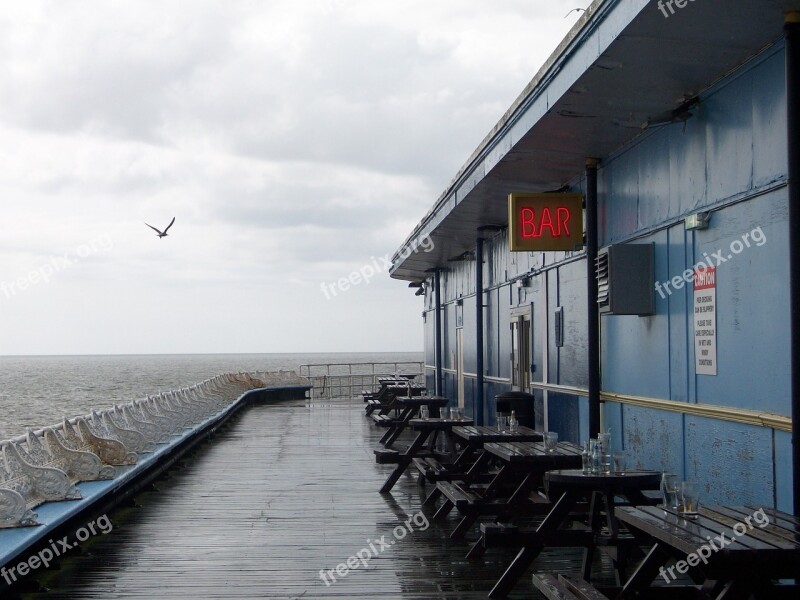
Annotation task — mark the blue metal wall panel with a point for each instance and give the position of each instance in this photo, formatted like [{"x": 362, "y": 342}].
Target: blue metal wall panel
[
  {"x": 729, "y": 138},
  {"x": 769, "y": 121},
  {"x": 635, "y": 354},
  {"x": 752, "y": 307},
  {"x": 679, "y": 302},
  {"x": 504, "y": 332},
  {"x": 618, "y": 198},
  {"x": 449, "y": 335},
  {"x": 491, "y": 335},
  {"x": 573, "y": 356},
  {"x": 783, "y": 470},
  {"x": 653, "y": 179},
  {"x": 732, "y": 461},
  {"x": 562, "y": 416},
  {"x": 468, "y": 335},
  {"x": 653, "y": 439}
]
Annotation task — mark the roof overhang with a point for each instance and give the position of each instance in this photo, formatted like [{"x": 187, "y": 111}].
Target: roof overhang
[{"x": 622, "y": 66}]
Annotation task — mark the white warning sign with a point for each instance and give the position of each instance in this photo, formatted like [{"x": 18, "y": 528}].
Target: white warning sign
[{"x": 705, "y": 321}]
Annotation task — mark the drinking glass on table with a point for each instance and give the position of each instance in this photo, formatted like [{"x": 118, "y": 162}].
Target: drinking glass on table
[
  {"x": 502, "y": 423},
  {"x": 619, "y": 460},
  {"x": 689, "y": 499},
  {"x": 513, "y": 424},
  {"x": 550, "y": 441},
  {"x": 669, "y": 490},
  {"x": 423, "y": 412}
]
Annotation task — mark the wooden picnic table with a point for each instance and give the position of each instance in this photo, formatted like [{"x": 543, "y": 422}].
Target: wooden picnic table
[
  {"x": 523, "y": 465},
  {"x": 467, "y": 467},
  {"x": 384, "y": 399},
  {"x": 409, "y": 409},
  {"x": 754, "y": 547},
  {"x": 393, "y": 392},
  {"x": 571, "y": 487},
  {"x": 425, "y": 428}
]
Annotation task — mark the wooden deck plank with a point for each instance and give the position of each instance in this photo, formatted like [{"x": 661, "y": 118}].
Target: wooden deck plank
[{"x": 281, "y": 492}]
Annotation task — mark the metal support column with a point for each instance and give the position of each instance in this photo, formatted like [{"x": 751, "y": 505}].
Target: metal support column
[
  {"x": 437, "y": 281},
  {"x": 792, "y": 29},
  {"x": 593, "y": 321},
  {"x": 479, "y": 407}
]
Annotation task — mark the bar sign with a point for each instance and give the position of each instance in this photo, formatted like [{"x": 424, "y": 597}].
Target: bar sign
[{"x": 546, "y": 221}]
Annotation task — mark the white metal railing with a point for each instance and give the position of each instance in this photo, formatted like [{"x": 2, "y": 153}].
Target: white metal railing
[
  {"x": 348, "y": 380},
  {"x": 46, "y": 464}
]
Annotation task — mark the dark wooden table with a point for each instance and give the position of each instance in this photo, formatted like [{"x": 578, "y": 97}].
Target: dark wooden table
[
  {"x": 384, "y": 399},
  {"x": 409, "y": 409},
  {"x": 425, "y": 428},
  {"x": 571, "y": 487},
  {"x": 473, "y": 438},
  {"x": 523, "y": 465},
  {"x": 750, "y": 552},
  {"x": 396, "y": 391}
]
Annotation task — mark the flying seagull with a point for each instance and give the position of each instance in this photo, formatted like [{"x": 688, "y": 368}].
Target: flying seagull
[{"x": 162, "y": 234}]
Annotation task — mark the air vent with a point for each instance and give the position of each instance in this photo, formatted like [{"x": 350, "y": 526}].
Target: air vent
[{"x": 625, "y": 279}]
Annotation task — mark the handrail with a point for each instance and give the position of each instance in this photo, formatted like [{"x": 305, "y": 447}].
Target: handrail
[{"x": 710, "y": 411}]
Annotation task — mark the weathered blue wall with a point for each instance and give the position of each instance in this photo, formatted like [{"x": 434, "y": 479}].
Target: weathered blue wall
[{"x": 730, "y": 157}]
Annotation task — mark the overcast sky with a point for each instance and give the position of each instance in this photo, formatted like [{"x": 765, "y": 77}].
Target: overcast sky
[{"x": 294, "y": 141}]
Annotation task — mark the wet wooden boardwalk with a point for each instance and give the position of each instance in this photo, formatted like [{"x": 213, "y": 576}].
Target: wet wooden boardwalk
[{"x": 283, "y": 491}]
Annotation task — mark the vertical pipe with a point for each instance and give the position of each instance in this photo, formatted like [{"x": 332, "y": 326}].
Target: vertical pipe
[
  {"x": 593, "y": 322},
  {"x": 437, "y": 280},
  {"x": 792, "y": 30},
  {"x": 479, "y": 408}
]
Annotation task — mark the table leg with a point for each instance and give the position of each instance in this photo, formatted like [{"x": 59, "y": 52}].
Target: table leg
[
  {"x": 529, "y": 553},
  {"x": 515, "y": 570},
  {"x": 443, "y": 510},
  {"x": 477, "y": 467},
  {"x": 647, "y": 571},
  {"x": 405, "y": 460},
  {"x": 478, "y": 549},
  {"x": 432, "y": 497},
  {"x": 394, "y": 432},
  {"x": 741, "y": 589},
  {"x": 588, "y": 551}
]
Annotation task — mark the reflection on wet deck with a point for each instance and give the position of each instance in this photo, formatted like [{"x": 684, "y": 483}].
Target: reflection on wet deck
[{"x": 281, "y": 492}]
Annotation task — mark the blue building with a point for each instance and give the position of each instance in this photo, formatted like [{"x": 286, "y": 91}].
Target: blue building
[{"x": 672, "y": 120}]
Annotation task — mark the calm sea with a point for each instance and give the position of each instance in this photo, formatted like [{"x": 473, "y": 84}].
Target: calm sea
[{"x": 37, "y": 391}]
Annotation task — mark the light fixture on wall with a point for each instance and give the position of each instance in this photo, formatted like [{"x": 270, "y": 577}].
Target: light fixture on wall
[
  {"x": 697, "y": 221},
  {"x": 523, "y": 282}
]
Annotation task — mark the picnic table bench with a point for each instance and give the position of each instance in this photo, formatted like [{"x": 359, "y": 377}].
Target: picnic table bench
[{"x": 565, "y": 587}]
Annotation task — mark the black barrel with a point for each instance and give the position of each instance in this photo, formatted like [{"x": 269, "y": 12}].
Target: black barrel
[{"x": 522, "y": 405}]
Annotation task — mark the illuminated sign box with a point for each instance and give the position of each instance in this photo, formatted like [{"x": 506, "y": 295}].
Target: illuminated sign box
[{"x": 540, "y": 222}]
